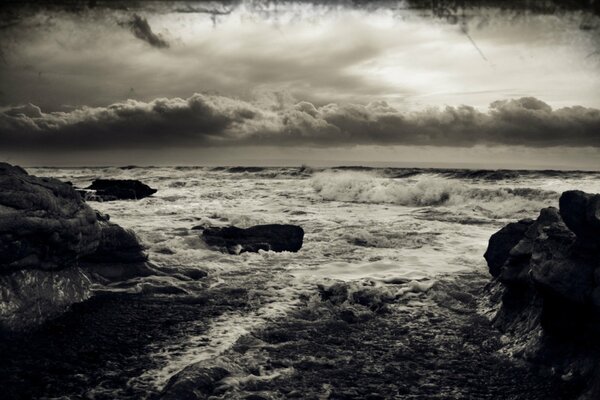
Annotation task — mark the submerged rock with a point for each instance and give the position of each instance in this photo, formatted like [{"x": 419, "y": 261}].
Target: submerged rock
[
  {"x": 547, "y": 287},
  {"x": 117, "y": 189},
  {"x": 50, "y": 241},
  {"x": 272, "y": 237}
]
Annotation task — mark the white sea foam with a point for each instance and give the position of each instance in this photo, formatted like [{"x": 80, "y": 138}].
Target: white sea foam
[
  {"x": 224, "y": 331},
  {"x": 429, "y": 190}
]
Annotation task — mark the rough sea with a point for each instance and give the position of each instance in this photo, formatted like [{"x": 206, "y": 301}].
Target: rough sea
[{"x": 396, "y": 230}]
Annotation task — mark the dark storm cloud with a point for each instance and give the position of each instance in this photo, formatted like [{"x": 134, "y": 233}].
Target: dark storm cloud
[
  {"x": 210, "y": 120},
  {"x": 141, "y": 30}
]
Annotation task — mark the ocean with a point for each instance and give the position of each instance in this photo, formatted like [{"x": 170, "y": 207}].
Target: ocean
[{"x": 397, "y": 230}]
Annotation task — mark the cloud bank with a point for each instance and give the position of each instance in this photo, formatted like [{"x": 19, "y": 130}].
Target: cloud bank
[{"x": 212, "y": 120}]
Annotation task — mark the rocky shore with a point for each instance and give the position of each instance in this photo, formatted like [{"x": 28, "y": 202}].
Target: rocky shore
[
  {"x": 354, "y": 342},
  {"x": 546, "y": 289},
  {"x": 532, "y": 333},
  {"x": 52, "y": 247}
]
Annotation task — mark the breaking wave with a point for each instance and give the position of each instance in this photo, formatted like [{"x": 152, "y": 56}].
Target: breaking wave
[{"x": 427, "y": 190}]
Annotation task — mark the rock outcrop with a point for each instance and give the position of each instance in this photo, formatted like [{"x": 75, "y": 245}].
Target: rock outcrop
[
  {"x": 117, "y": 189},
  {"x": 52, "y": 244},
  {"x": 272, "y": 237},
  {"x": 547, "y": 288}
]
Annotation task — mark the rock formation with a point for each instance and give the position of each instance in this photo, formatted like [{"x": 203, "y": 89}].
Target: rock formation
[
  {"x": 117, "y": 189},
  {"x": 547, "y": 288},
  {"x": 260, "y": 237},
  {"x": 51, "y": 245}
]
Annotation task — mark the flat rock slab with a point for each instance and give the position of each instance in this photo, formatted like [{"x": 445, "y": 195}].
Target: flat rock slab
[
  {"x": 273, "y": 237},
  {"x": 118, "y": 189}
]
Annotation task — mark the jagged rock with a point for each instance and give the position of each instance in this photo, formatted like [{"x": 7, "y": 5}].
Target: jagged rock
[
  {"x": 50, "y": 243},
  {"x": 517, "y": 267},
  {"x": 44, "y": 224},
  {"x": 555, "y": 267},
  {"x": 273, "y": 237},
  {"x": 502, "y": 242},
  {"x": 117, "y": 189},
  {"x": 581, "y": 213},
  {"x": 549, "y": 285}
]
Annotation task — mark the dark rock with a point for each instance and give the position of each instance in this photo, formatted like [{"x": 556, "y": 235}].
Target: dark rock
[
  {"x": 556, "y": 268},
  {"x": 48, "y": 237},
  {"x": 549, "y": 303},
  {"x": 517, "y": 267},
  {"x": 45, "y": 228},
  {"x": 44, "y": 224},
  {"x": 260, "y": 237},
  {"x": 592, "y": 215},
  {"x": 573, "y": 205},
  {"x": 502, "y": 242},
  {"x": 117, "y": 244},
  {"x": 195, "y": 382},
  {"x": 102, "y": 217},
  {"x": 30, "y": 297},
  {"x": 581, "y": 213},
  {"x": 118, "y": 189}
]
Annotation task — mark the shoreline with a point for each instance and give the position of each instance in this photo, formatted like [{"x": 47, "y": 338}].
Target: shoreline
[{"x": 421, "y": 345}]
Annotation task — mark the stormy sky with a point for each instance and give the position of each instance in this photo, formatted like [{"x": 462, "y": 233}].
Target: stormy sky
[{"x": 299, "y": 82}]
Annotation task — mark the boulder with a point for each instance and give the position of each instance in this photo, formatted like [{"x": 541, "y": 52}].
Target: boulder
[
  {"x": 44, "y": 224},
  {"x": 556, "y": 268},
  {"x": 517, "y": 267},
  {"x": 502, "y": 242},
  {"x": 116, "y": 245},
  {"x": 117, "y": 189},
  {"x": 273, "y": 237},
  {"x": 50, "y": 241},
  {"x": 581, "y": 213},
  {"x": 549, "y": 286}
]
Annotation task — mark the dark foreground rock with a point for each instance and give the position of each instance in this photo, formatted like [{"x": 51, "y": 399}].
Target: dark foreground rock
[
  {"x": 117, "y": 189},
  {"x": 48, "y": 235},
  {"x": 272, "y": 237},
  {"x": 547, "y": 288}
]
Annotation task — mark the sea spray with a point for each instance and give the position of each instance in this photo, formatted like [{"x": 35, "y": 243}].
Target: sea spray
[{"x": 426, "y": 191}]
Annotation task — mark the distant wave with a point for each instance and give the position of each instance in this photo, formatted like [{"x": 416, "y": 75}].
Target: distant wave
[
  {"x": 239, "y": 170},
  {"x": 486, "y": 175},
  {"x": 364, "y": 187}
]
